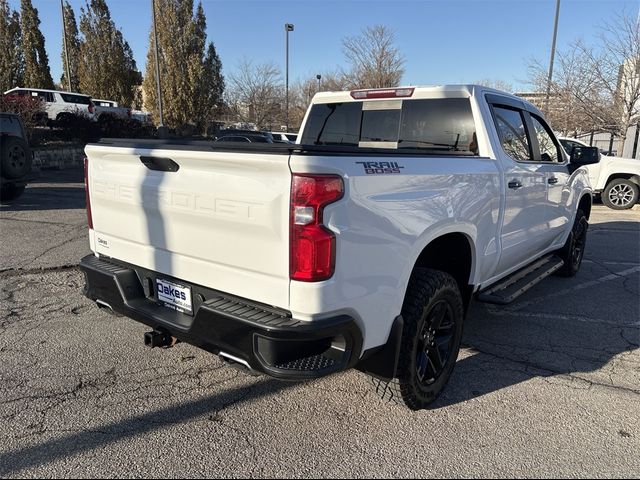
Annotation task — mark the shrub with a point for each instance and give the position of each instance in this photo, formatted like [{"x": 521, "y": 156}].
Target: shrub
[{"x": 31, "y": 109}]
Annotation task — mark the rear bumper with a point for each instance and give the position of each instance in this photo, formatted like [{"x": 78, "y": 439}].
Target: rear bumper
[{"x": 264, "y": 338}]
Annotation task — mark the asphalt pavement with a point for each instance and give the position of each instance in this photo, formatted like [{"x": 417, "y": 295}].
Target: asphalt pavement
[{"x": 548, "y": 386}]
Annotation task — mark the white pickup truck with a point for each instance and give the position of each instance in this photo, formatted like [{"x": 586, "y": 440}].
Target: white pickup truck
[
  {"x": 616, "y": 179},
  {"x": 106, "y": 108},
  {"x": 360, "y": 246}
]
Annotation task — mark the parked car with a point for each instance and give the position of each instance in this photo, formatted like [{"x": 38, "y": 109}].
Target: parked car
[
  {"x": 15, "y": 157},
  {"x": 105, "y": 108},
  {"x": 141, "y": 116},
  {"x": 246, "y": 138},
  {"x": 616, "y": 179},
  {"x": 59, "y": 104},
  {"x": 362, "y": 246}
]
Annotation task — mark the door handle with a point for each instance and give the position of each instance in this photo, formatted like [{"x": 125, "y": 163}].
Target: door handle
[
  {"x": 515, "y": 184},
  {"x": 552, "y": 180},
  {"x": 160, "y": 164}
]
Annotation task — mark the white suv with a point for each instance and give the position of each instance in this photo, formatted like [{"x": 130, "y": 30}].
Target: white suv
[
  {"x": 58, "y": 103},
  {"x": 616, "y": 179}
]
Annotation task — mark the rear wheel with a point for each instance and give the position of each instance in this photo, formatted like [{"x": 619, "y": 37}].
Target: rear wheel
[
  {"x": 620, "y": 194},
  {"x": 15, "y": 156},
  {"x": 433, "y": 315}
]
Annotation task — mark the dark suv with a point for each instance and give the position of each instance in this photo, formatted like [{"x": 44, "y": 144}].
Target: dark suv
[{"x": 15, "y": 157}]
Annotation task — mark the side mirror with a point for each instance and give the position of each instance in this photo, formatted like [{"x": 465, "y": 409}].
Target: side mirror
[{"x": 585, "y": 155}]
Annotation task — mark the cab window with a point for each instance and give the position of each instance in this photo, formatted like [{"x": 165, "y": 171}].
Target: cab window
[
  {"x": 512, "y": 133},
  {"x": 549, "y": 151}
]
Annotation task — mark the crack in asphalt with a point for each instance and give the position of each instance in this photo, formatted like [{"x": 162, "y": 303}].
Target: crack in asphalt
[
  {"x": 550, "y": 372},
  {"x": 62, "y": 244},
  {"x": 15, "y": 271}
]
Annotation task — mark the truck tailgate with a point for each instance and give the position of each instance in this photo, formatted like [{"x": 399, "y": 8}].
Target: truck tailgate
[{"x": 221, "y": 220}]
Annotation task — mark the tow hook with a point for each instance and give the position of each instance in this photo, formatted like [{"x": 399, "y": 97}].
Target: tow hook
[{"x": 158, "y": 338}]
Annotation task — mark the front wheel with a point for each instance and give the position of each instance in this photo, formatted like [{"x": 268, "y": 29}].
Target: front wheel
[
  {"x": 573, "y": 250},
  {"x": 433, "y": 315},
  {"x": 620, "y": 194}
]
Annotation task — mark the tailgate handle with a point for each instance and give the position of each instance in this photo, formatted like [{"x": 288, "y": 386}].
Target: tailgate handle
[{"x": 160, "y": 164}]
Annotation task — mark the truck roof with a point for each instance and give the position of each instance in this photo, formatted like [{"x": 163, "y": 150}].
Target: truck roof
[
  {"x": 45, "y": 90},
  {"x": 414, "y": 92}
]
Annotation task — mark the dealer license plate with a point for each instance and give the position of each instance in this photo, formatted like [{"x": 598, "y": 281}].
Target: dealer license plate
[{"x": 174, "y": 296}]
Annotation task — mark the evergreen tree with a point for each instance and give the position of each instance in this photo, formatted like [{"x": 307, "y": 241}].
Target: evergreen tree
[
  {"x": 36, "y": 62},
  {"x": 73, "y": 44},
  {"x": 191, "y": 80},
  {"x": 212, "y": 85},
  {"x": 11, "y": 57},
  {"x": 106, "y": 67}
]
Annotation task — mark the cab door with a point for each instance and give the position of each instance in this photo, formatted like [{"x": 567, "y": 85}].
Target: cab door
[
  {"x": 547, "y": 151},
  {"x": 524, "y": 231}
]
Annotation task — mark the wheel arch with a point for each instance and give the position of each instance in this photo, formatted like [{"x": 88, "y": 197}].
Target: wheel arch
[
  {"x": 452, "y": 252},
  {"x": 633, "y": 177},
  {"x": 585, "y": 204}
]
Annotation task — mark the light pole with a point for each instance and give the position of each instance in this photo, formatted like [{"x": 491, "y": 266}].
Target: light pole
[
  {"x": 288, "y": 27},
  {"x": 161, "y": 128},
  {"x": 318, "y": 77},
  {"x": 553, "y": 53}
]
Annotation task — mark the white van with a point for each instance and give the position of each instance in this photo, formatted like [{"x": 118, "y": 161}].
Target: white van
[{"x": 58, "y": 103}]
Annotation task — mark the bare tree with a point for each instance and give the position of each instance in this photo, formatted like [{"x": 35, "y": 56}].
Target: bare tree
[
  {"x": 375, "y": 61},
  {"x": 616, "y": 68},
  {"x": 495, "y": 83},
  {"x": 256, "y": 93},
  {"x": 596, "y": 87},
  {"x": 576, "y": 103}
]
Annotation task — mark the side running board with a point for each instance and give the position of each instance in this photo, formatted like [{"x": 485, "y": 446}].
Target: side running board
[{"x": 511, "y": 287}]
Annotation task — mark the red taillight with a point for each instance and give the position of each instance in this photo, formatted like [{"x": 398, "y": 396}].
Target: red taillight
[
  {"x": 91, "y": 108},
  {"x": 382, "y": 93},
  {"x": 312, "y": 246},
  {"x": 86, "y": 192}
]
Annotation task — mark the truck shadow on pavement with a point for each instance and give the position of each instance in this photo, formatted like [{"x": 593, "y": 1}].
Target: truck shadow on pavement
[
  {"x": 563, "y": 327},
  {"x": 92, "y": 439}
]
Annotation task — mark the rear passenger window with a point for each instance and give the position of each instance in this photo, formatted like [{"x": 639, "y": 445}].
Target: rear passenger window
[
  {"x": 512, "y": 133},
  {"x": 549, "y": 151},
  {"x": 45, "y": 96},
  {"x": 10, "y": 125},
  {"x": 70, "y": 98}
]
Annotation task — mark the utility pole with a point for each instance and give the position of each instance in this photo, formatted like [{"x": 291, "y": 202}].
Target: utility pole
[
  {"x": 66, "y": 48},
  {"x": 161, "y": 129},
  {"x": 553, "y": 54},
  {"x": 319, "y": 77},
  {"x": 288, "y": 27}
]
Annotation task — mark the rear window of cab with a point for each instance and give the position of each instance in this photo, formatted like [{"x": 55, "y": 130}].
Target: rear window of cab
[{"x": 441, "y": 125}]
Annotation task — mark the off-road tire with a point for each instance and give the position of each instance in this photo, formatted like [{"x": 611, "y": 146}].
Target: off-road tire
[
  {"x": 573, "y": 251},
  {"x": 15, "y": 157},
  {"x": 428, "y": 289}
]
